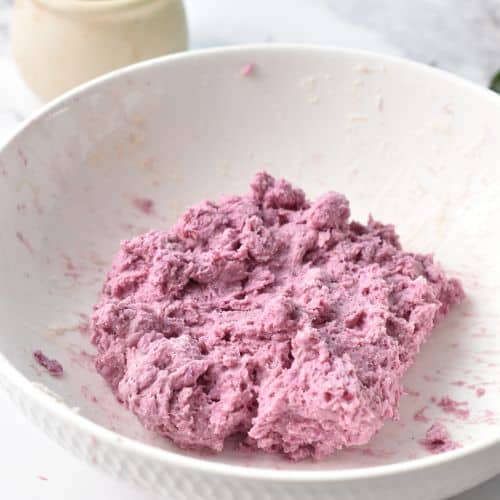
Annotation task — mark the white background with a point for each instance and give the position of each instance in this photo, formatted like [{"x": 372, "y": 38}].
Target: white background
[{"x": 462, "y": 36}]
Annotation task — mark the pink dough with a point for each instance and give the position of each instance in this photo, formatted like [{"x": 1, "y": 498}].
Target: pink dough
[
  {"x": 51, "y": 365},
  {"x": 267, "y": 317},
  {"x": 437, "y": 439},
  {"x": 457, "y": 408}
]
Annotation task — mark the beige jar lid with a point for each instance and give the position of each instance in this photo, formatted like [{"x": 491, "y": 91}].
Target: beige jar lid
[{"x": 96, "y": 7}]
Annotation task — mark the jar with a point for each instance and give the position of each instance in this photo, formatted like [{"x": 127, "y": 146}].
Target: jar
[{"x": 59, "y": 44}]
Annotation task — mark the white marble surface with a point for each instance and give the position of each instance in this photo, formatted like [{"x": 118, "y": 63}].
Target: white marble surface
[{"x": 462, "y": 36}]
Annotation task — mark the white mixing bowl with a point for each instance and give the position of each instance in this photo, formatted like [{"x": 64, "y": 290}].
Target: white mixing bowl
[{"x": 413, "y": 145}]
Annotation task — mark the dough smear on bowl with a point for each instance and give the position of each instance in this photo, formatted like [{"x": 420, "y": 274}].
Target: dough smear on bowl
[{"x": 270, "y": 317}]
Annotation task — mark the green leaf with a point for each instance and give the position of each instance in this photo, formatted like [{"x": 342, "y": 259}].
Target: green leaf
[{"x": 495, "y": 83}]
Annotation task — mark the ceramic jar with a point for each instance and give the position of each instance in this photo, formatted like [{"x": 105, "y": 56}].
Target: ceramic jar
[{"x": 59, "y": 44}]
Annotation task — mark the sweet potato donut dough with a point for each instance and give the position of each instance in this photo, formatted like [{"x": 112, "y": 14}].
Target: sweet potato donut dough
[{"x": 269, "y": 317}]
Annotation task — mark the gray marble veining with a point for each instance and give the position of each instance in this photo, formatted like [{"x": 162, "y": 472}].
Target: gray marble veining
[{"x": 462, "y": 36}]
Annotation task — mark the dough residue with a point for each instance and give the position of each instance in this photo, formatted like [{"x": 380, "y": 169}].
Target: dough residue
[
  {"x": 51, "y": 365},
  {"x": 437, "y": 439}
]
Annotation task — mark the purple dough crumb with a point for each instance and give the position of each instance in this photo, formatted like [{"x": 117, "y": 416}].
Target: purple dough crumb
[
  {"x": 420, "y": 416},
  {"x": 248, "y": 69},
  {"x": 457, "y": 408},
  {"x": 144, "y": 205},
  {"x": 51, "y": 365},
  {"x": 437, "y": 439}
]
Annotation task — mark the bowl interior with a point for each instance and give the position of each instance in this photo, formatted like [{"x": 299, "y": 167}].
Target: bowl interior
[{"x": 410, "y": 145}]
